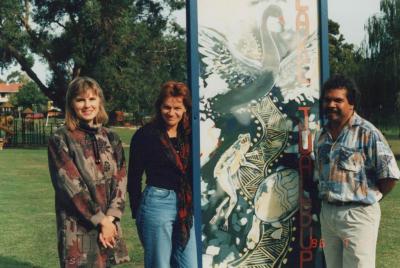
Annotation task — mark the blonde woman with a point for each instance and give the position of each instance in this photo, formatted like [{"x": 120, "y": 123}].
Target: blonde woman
[{"x": 88, "y": 172}]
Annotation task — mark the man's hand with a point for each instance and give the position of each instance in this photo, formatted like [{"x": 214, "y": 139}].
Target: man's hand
[
  {"x": 108, "y": 232},
  {"x": 386, "y": 185}
]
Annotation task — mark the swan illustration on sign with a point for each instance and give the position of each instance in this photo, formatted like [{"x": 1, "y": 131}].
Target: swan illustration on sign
[{"x": 249, "y": 78}]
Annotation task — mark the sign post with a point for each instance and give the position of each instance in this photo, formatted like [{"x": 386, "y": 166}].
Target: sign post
[{"x": 256, "y": 69}]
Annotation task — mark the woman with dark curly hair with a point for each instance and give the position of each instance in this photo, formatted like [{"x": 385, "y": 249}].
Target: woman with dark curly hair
[{"x": 163, "y": 211}]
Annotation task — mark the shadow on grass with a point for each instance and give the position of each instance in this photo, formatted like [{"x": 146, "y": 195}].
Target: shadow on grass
[{"x": 11, "y": 262}]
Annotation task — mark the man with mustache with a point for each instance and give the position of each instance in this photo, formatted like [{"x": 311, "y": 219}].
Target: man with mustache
[{"x": 355, "y": 169}]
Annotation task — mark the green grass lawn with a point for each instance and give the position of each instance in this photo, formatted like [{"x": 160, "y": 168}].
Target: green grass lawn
[
  {"x": 388, "y": 247},
  {"x": 27, "y": 218},
  {"x": 125, "y": 134}
]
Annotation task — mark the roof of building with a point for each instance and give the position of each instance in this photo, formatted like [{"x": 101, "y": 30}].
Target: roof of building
[
  {"x": 10, "y": 88},
  {"x": 6, "y": 105},
  {"x": 27, "y": 111}
]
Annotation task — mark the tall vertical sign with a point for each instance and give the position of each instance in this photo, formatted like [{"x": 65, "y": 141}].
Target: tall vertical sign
[{"x": 259, "y": 82}]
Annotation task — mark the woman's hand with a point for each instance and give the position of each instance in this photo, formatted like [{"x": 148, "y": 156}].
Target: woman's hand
[{"x": 108, "y": 232}]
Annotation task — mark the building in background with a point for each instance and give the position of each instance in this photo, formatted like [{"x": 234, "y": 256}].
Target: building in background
[{"x": 7, "y": 90}]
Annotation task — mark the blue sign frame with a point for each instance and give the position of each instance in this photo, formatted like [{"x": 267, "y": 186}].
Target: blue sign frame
[{"x": 193, "y": 81}]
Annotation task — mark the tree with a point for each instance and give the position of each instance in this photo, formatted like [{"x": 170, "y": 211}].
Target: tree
[
  {"x": 383, "y": 56},
  {"x": 17, "y": 77},
  {"x": 30, "y": 96},
  {"x": 343, "y": 57},
  {"x": 346, "y": 59},
  {"x": 129, "y": 47}
]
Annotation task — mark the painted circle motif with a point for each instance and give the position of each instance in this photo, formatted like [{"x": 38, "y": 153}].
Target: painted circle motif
[{"x": 277, "y": 196}]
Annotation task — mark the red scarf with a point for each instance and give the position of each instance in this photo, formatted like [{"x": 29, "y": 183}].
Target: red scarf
[{"x": 184, "y": 192}]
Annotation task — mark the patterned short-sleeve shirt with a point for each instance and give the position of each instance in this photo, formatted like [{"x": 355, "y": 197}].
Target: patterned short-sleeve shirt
[{"x": 348, "y": 168}]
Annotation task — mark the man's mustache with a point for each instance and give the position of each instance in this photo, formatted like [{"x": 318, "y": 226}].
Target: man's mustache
[{"x": 331, "y": 111}]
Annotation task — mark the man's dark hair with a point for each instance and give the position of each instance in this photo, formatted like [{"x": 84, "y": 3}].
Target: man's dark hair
[{"x": 337, "y": 81}]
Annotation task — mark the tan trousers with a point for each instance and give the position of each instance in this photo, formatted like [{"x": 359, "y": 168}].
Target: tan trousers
[{"x": 350, "y": 233}]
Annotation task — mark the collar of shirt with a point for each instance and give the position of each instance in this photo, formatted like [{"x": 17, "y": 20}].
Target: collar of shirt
[{"x": 355, "y": 120}]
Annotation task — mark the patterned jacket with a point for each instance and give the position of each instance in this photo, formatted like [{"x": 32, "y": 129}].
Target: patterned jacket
[{"x": 88, "y": 172}]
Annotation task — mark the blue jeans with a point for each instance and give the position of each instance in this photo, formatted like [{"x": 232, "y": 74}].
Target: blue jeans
[{"x": 155, "y": 221}]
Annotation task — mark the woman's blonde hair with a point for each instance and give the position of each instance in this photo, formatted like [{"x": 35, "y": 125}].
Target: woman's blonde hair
[{"x": 78, "y": 86}]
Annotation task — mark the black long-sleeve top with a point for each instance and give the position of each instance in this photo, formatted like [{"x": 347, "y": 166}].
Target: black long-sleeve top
[{"x": 147, "y": 155}]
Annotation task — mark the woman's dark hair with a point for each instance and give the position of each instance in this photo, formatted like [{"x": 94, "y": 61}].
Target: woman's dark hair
[
  {"x": 339, "y": 81},
  {"x": 175, "y": 89}
]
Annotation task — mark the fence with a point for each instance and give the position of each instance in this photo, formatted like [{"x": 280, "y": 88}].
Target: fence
[{"x": 29, "y": 132}]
